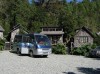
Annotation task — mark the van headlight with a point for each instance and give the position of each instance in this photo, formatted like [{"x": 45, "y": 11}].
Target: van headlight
[
  {"x": 39, "y": 50},
  {"x": 50, "y": 49}
]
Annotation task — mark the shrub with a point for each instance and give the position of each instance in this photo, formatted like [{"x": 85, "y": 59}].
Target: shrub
[
  {"x": 2, "y": 42},
  {"x": 97, "y": 40},
  {"x": 59, "y": 49},
  {"x": 84, "y": 50}
]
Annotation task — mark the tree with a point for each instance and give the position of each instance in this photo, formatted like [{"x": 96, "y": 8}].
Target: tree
[{"x": 69, "y": 16}]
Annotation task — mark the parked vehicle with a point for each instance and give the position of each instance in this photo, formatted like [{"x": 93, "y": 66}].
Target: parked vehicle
[
  {"x": 32, "y": 44},
  {"x": 95, "y": 52}
]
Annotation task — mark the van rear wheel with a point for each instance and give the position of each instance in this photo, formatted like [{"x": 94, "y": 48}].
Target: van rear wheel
[
  {"x": 31, "y": 53},
  {"x": 18, "y": 52}
]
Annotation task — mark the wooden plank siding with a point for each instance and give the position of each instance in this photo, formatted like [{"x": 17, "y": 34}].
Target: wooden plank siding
[
  {"x": 13, "y": 33},
  {"x": 1, "y": 32},
  {"x": 82, "y": 38},
  {"x": 55, "y": 34}
]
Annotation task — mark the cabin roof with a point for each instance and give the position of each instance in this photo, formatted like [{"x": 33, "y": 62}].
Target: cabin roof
[
  {"x": 18, "y": 27},
  {"x": 85, "y": 29},
  {"x": 53, "y": 33},
  {"x": 50, "y": 26},
  {"x": 15, "y": 27}
]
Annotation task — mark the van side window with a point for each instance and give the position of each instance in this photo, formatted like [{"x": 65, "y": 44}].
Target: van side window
[
  {"x": 26, "y": 38},
  {"x": 15, "y": 39},
  {"x": 19, "y": 39},
  {"x": 31, "y": 38}
]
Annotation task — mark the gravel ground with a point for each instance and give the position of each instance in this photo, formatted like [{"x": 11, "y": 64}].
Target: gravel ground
[{"x": 11, "y": 63}]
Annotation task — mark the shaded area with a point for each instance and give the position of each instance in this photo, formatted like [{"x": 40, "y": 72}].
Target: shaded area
[
  {"x": 14, "y": 52},
  {"x": 69, "y": 73},
  {"x": 93, "y": 58},
  {"x": 89, "y": 70},
  {"x": 96, "y": 58},
  {"x": 34, "y": 56},
  {"x": 11, "y": 51}
]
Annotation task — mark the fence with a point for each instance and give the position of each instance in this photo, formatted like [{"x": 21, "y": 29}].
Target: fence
[{"x": 7, "y": 46}]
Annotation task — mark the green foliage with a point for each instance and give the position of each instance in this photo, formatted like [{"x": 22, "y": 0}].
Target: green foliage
[
  {"x": 84, "y": 50},
  {"x": 70, "y": 16},
  {"x": 2, "y": 42},
  {"x": 59, "y": 49},
  {"x": 97, "y": 40}
]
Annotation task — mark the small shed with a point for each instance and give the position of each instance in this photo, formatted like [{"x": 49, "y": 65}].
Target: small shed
[
  {"x": 1, "y": 32},
  {"x": 82, "y": 37},
  {"x": 14, "y": 32},
  {"x": 17, "y": 29},
  {"x": 55, "y": 34}
]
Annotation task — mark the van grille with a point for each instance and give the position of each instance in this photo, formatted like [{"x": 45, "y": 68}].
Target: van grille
[{"x": 45, "y": 49}]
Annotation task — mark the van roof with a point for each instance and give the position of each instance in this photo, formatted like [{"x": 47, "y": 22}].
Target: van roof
[{"x": 30, "y": 34}]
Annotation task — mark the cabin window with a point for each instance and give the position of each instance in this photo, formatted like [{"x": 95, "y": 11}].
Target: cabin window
[
  {"x": 52, "y": 29},
  {"x": 83, "y": 39},
  {"x": 45, "y": 29},
  {"x": 58, "y": 29}
]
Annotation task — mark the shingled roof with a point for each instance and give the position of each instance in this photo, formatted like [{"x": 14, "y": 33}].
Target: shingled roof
[{"x": 87, "y": 30}]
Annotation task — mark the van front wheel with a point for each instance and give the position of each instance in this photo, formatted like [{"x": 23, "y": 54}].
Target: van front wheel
[{"x": 45, "y": 56}]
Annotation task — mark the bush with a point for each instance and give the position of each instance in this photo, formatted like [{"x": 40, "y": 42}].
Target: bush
[
  {"x": 97, "y": 40},
  {"x": 59, "y": 49},
  {"x": 84, "y": 50},
  {"x": 2, "y": 42}
]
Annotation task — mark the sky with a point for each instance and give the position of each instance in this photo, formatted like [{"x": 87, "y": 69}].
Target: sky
[
  {"x": 66, "y": 0},
  {"x": 72, "y": 0}
]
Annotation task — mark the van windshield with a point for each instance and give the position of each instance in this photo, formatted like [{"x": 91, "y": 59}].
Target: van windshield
[{"x": 42, "y": 40}]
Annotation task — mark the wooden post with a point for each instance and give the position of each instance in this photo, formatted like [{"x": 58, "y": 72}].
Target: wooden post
[{"x": 71, "y": 46}]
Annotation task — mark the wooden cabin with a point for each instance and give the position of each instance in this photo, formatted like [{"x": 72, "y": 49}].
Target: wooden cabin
[
  {"x": 1, "y": 32},
  {"x": 14, "y": 32},
  {"x": 17, "y": 29},
  {"x": 55, "y": 34},
  {"x": 82, "y": 37}
]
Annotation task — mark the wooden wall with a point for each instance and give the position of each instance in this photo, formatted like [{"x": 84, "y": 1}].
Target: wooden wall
[{"x": 82, "y": 38}]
